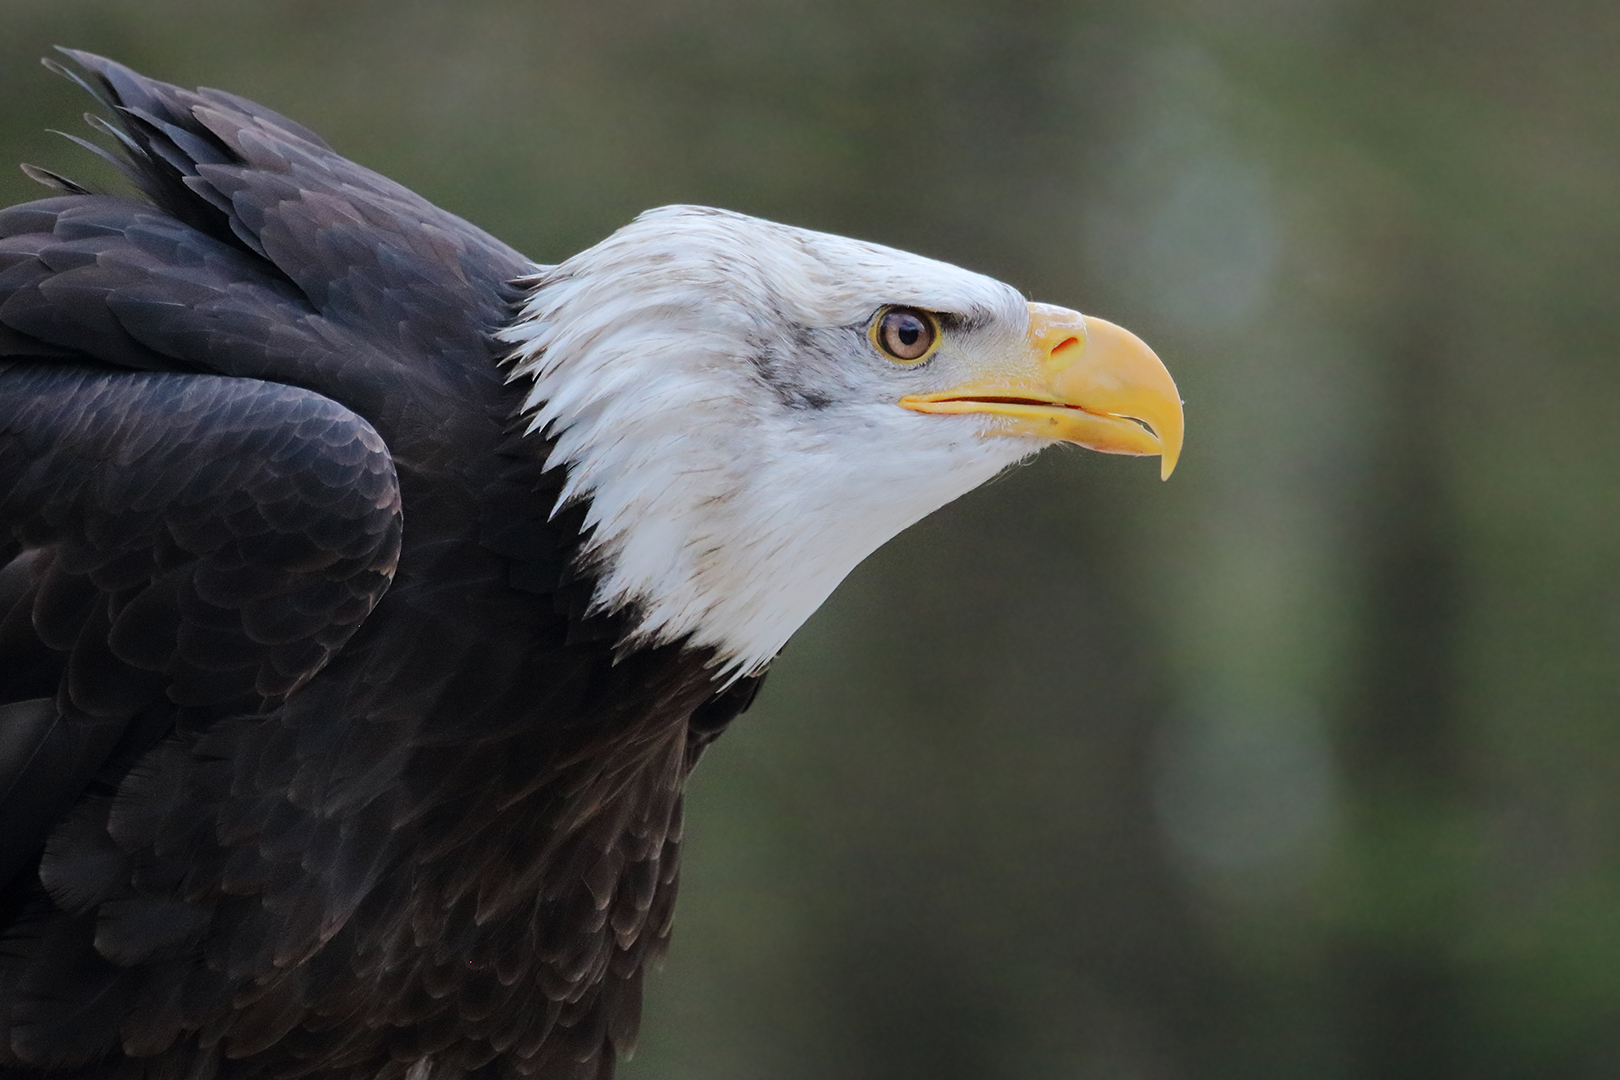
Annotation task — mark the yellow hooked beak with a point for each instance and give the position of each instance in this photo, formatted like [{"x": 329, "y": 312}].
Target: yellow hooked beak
[{"x": 1081, "y": 380}]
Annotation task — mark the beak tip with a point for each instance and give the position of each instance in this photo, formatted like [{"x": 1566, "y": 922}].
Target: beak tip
[{"x": 1169, "y": 457}]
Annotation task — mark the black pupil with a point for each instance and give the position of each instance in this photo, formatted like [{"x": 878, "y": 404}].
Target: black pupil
[{"x": 906, "y": 334}]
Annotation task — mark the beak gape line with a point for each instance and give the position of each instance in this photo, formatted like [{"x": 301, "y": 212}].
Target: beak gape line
[{"x": 1081, "y": 380}]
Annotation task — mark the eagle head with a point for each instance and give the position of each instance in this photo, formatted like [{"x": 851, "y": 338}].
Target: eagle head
[{"x": 750, "y": 409}]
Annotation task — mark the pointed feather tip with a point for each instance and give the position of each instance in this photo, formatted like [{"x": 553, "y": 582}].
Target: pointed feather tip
[
  {"x": 86, "y": 144},
  {"x": 54, "y": 181},
  {"x": 116, "y": 81},
  {"x": 101, "y": 125},
  {"x": 55, "y": 67},
  {"x": 87, "y": 60}
]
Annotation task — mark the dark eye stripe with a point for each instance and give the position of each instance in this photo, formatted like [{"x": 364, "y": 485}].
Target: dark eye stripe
[{"x": 905, "y": 334}]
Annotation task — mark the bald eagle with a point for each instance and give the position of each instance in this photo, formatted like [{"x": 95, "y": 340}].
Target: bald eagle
[{"x": 368, "y": 591}]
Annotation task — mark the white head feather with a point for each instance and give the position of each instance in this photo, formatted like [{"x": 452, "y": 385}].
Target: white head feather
[{"x": 713, "y": 392}]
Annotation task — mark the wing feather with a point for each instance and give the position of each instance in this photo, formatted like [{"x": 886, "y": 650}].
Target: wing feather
[
  {"x": 363, "y": 249},
  {"x": 203, "y": 572}
]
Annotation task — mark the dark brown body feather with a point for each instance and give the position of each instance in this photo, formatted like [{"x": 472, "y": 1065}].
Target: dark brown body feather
[{"x": 311, "y": 761}]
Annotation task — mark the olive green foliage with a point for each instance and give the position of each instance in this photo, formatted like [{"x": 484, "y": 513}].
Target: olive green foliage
[{"x": 1305, "y": 764}]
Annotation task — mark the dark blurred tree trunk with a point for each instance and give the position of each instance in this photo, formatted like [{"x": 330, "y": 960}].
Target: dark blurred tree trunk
[
  {"x": 1402, "y": 735},
  {"x": 1127, "y": 933}
]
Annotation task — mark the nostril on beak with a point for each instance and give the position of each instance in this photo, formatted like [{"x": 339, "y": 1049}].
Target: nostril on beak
[{"x": 1063, "y": 353}]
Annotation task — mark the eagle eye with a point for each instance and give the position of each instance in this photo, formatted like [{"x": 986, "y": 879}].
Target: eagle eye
[{"x": 905, "y": 334}]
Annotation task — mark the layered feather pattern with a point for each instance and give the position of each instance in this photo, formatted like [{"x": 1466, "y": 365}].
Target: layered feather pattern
[{"x": 315, "y": 758}]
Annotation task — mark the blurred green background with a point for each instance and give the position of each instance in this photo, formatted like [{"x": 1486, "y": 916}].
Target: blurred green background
[{"x": 1305, "y": 764}]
